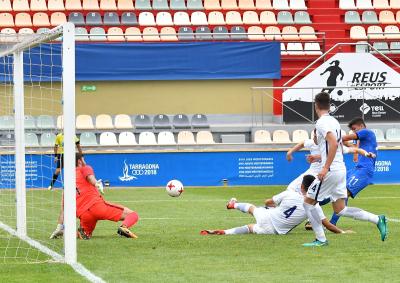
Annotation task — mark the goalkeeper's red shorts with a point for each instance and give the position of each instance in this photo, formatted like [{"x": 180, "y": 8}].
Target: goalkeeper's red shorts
[{"x": 100, "y": 211}]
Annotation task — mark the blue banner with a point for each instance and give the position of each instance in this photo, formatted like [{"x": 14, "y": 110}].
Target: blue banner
[
  {"x": 156, "y": 61},
  {"x": 192, "y": 168}
]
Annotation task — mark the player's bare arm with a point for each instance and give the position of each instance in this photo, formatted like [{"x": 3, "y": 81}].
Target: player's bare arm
[
  {"x": 297, "y": 147},
  {"x": 350, "y": 137},
  {"x": 311, "y": 158},
  {"x": 334, "y": 228},
  {"x": 270, "y": 202},
  {"x": 332, "y": 147}
]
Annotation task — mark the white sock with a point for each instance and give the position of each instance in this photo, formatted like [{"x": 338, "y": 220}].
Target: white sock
[
  {"x": 359, "y": 214},
  {"x": 315, "y": 220},
  {"x": 60, "y": 227},
  {"x": 238, "y": 230},
  {"x": 242, "y": 206}
]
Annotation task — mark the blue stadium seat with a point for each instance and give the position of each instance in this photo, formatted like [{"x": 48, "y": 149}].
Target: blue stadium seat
[
  {"x": 181, "y": 121},
  {"x": 76, "y": 18},
  {"x": 143, "y": 121},
  {"x": 161, "y": 121},
  {"x": 94, "y": 19},
  {"x": 200, "y": 121},
  {"x": 185, "y": 33},
  {"x": 129, "y": 19},
  {"x": 111, "y": 19}
]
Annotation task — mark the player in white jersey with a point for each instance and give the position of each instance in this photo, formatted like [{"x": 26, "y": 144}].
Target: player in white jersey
[
  {"x": 331, "y": 181},
  {"x": 314, "y": 168},
  {"x": 314, "y": 158},
  {"x": 285, "y": 212}
]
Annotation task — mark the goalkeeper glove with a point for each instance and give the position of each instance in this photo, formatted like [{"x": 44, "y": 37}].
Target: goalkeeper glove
[{"x": 99, "y": 186}]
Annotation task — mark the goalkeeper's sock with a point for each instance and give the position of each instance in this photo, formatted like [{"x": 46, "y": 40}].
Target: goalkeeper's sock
[
  {"x": 242, "y": 206},
  {"x": 131, "y": 219},
  {"x": 55, "y": 177},
  {"x": 60, "y": 227},
  {"x": 238, "y": 230}
]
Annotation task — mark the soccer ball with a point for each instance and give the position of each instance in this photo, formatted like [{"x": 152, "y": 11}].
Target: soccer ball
[{"x": 174, "y": 188}]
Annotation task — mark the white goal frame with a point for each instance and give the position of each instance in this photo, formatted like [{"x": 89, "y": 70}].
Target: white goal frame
[{"x": 67, "y": 32}]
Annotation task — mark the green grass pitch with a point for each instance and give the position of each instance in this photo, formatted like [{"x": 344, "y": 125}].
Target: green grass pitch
[{"x": 170, "y": 248}]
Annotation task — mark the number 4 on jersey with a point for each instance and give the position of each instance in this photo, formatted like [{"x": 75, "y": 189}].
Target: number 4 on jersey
[{"x": 289, "y": 211}]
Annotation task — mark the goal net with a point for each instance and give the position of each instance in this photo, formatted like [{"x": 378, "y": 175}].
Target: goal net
[{"x": 37, "y": 101}]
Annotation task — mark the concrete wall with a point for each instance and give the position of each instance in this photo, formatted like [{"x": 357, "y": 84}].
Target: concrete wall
[{"x": 148, "y": 97}]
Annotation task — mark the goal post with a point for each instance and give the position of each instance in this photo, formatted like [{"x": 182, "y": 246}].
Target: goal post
[{"x": 29, "y": 71}]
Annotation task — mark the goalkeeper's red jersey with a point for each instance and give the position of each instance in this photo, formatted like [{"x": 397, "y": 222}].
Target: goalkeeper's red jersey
[{"x": 86, "y": 193}]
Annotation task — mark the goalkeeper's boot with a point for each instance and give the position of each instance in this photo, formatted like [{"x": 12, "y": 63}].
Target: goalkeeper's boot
[
  {"x": 231, "y": 203},
  {"x": 82, "y": 234},
  {"x": 316, "y": 243},
  {"x": 382, "y": 226},
  {"x": 50, "y": 187},
  {"x": 59, "y": 232},
  {"x": 212, "y": 232},
  {"x": 124, "y": 231}
]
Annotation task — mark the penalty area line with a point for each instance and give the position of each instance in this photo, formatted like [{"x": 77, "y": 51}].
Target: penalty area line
[{"x": 77, "y": 267}]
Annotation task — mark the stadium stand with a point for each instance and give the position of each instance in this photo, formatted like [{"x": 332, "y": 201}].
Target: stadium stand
[
  {"x": 181, "y": 121},
  {"x": 147, "y": 138},
  {"x": 143, "y": 121},
  {"x": 55, "y": 5},
  {"x": 393, "y": 134},
  {"x": 299, "y": 136},
  {"x": 185, "y": 33},
  {"x": 125, "y": 5},
  {"x": 47, "y": 139},
  {"x": 204, "y": 137},
  {"x": 262, "y": 136},
  {"x": 45, "y": 122},
  {"x": 31, "y": 139},
  {"x": 104, "y": 122},
  {"x": 199, "y": 121},
  {"x": 161, "y": 121},
  {"x": 5, "y": 6},
  {"x": 380, "y": 136},
  {"x": 30, "y": 122},
  {"x": 84, "y": 122},
  {"x": 97, "y": 34},
  {"x": 108, "y": 139},
  {"x": 115, "y": 34},
  {"x": 126, "y": 138},
  {"x": 166, "y": 138},
  {"x": 6, "y": 122},
  {"x": 186, "y": 137},
  {"x": 88, "y": 139},
  {"x": 195, "y": 5},
  {"x": 177, "y": 5},
  {"x": 280, "y": 136}
]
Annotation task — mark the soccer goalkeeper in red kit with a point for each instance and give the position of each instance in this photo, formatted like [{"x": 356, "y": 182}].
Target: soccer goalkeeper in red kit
[{"x": 91, "y": 207}]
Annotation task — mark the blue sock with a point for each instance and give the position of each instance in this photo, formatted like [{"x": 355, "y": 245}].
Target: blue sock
[{"x": 335, "y": 217}]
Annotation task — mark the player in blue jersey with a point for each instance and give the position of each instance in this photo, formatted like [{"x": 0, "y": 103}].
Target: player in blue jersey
[{"x": 361, "y": 175}]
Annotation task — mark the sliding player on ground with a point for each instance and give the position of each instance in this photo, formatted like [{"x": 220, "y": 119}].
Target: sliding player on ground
[
  {"x": 359, "y": 177},
  {"x": 284, "y": 214},
  {"x": 331, "y": 180},
  {"x": 91, "y": 207}
]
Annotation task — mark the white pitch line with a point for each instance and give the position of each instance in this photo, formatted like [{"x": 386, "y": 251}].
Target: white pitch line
[
  {"x": 394, "y": 220},
  {"x": 218, "y": 200},
  {"x": 79, "y": 268}
]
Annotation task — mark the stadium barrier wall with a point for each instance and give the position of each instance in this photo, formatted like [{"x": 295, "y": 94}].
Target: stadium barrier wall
[{"x": 153, "y": 169}]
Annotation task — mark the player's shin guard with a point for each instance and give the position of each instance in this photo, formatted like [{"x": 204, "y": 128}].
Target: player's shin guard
[
  {"x": 316, "y": 222},
  {"x": 238, "y": 230},
  {"x": 359, "y": 214},
  {"x": 131, "y": 219},
  {"x": 242, "y": 206}
]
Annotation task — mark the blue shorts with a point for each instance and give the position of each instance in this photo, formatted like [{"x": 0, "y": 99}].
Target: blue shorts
[{"x": 357, "y": 179}]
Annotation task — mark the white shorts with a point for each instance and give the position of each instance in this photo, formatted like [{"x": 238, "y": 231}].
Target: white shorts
[
  {"x": 263, "y": 219},
  {"x": 333, "y": 186}
]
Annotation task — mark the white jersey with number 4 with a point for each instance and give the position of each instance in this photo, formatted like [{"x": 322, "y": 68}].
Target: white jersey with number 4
[
  {"x": 289, "y": 213},
  {"x": 326, "y": 124}
]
